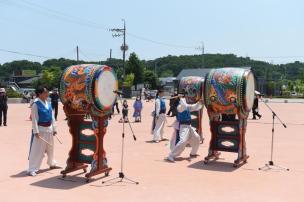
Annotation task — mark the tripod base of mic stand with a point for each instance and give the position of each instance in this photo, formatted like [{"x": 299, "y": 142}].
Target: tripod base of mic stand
[
  {"x": 271, "y": 166},
  {"x": 121, "y": 178}
]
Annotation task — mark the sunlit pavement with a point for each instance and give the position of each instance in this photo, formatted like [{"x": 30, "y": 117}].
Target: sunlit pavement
[{"x": 185, "y": 180}]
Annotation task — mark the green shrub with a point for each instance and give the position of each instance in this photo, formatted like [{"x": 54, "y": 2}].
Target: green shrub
[{"x": 13, "y": 94}]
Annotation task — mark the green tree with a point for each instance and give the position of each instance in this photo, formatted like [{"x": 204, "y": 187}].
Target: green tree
[
  {"x": 135, "y": 66},
  {"x": 50, "y": 78},
  {"x": 151, "y": 79},
  {"x": 129, "y": 80},
  {"x": 167, "y": 73}
]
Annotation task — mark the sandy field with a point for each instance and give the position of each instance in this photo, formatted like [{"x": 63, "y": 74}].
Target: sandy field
[{"x": 185, "y": 180}]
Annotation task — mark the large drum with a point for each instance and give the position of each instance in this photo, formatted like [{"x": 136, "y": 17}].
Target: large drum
[
  {"x": 192, "y": 87},
  {"x": 89, "y": 85},
  {"x": 229, "y": 91}
]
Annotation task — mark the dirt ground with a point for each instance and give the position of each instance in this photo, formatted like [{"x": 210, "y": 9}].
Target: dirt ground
[{"x": 185, "y": 180}]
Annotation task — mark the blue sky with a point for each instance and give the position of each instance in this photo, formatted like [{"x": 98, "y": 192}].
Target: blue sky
[{"x": 270, "y": 30}]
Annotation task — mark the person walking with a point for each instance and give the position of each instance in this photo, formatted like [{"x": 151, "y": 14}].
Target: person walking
[
  {"x": 54, "y": 101},
  {"x": 3, "y": 107},
  {"x": 115, "y": 105},
  {"x": 171, "y": 104},
  {"x": 255, "y": 108}
]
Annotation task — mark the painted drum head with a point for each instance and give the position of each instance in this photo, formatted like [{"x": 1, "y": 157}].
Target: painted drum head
[
  {"x": 105, "y": 85},
  {"x": 89, "y": 86},
  {"x": 249, "y": 93},
  {"x": 192, "y": 87}
]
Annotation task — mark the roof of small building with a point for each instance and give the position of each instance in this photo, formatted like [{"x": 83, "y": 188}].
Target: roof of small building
[{"x": 29, "y": 81}]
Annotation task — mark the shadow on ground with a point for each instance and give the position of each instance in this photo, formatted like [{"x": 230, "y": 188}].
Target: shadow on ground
[
  {"x": 152, "y": 141},
  {"x": 217, "y": 166},
  {"x": 69, "y": 182},
  {"x": 25, "y": 174}
]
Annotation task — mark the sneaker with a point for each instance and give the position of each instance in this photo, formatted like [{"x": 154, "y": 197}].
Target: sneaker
[
  {"x": 171, "y": 159},
  {"x": 53, "y": 167},
  {"x": 32, "y": 173},
  {"x": 193, "y": 155}
]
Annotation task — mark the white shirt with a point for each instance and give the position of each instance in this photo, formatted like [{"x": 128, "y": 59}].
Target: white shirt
[
  {"x": 157, "y": 106},
  {"x": 35, "y": 118}
]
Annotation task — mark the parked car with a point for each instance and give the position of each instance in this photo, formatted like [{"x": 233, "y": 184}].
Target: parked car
[{"x": 293, "y": 94}]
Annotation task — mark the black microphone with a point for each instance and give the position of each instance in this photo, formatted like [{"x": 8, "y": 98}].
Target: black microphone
[{"x": 118, "y": 92}]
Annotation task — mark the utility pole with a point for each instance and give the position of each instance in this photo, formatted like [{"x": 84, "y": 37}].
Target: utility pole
[
  {"x": 202, "y": 48},
  {"x": 77, "y": 52},
  {"x": 155, "y": 66},
  {"x": 118, "y": 32},
  {"x": 110, "y": 55}
]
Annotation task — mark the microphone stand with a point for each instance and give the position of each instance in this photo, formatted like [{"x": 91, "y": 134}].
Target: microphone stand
[
  {"x": 121, "y": 176},
  {"x": 271, "y": 165}
]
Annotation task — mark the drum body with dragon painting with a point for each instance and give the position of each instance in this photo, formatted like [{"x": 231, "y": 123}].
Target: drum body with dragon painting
[
  {"x": 192, "y": 87},
  {"x": 88, "y": 89},
  {"x": 229, "y": 92}
]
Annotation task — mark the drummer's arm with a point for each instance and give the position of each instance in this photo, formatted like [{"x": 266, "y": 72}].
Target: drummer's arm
[
  {"x": 182, "y": 106},
  {"x": 195, "y": 107},
  {"x": 192, "y": 107}
]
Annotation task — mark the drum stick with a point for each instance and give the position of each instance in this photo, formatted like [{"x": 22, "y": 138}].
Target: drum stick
[
  {"x": 44, "y": 141},
  {"x": 178, "y": 96},
  {"x": 58, "y": 139}
]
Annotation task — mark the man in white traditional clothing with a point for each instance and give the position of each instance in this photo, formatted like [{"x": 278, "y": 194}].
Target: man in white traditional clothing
[
  {"x": 159, "y": 117},
  {"x": 43, "y": 130},
  {"x": 184, "y": 133}
]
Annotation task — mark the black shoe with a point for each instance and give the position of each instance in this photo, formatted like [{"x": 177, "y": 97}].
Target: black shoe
[
  {"x": 260, "y": 116},
  {"x": 193, "y": 155},
  {"x": 5, "y": 124}
]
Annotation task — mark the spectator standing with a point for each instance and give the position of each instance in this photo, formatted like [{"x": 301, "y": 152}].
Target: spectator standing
[
  {"x": 137, "y": 109},
  {"x": 3, "y": 107},
  {"x": 54, "y": 102}
]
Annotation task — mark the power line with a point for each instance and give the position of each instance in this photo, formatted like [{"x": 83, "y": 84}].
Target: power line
[
  {"x": 88, "y": 23},
  {"x": 22, "y": 53},
  {"x": 159, "y": 43},
  {"x": 54, "y": 14},
  {"x": 85, "y": 22}
]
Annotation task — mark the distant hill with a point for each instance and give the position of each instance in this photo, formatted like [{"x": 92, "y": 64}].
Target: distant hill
[{"x": 172, "y": 65}]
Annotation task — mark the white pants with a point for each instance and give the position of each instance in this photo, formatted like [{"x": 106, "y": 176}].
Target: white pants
[
  {"x": 187, "y": 134},
  {"x": 38, "y": 149},
  {"x": 158, "y": 132}
]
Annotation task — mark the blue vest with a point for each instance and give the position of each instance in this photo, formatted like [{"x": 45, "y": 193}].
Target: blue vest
[
  {"x": 162, "y": 105},
  {"x": 45, "y": 115},
  {"x": 184, "y": 117}
]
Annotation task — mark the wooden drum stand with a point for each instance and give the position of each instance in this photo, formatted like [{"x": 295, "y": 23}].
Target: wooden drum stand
[
  {"x": 227, "y": 135},
  {"x": 86, "y": 148}
]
